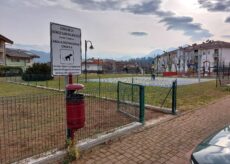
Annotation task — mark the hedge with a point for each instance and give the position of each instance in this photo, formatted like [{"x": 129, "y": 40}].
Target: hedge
[
  {"x": 10, "y": 71},
  {"x": 36, "y": 77},
  {"x": 38, "y": 72}
]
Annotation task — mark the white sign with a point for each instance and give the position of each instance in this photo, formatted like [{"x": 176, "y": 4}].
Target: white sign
[{"x": 65, "y": 45}]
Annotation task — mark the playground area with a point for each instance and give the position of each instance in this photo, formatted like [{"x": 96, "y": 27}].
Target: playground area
[{"x": 148, "y": 81}]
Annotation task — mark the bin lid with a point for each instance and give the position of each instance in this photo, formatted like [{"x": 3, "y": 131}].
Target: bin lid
[{"x": 74, "y": 87}]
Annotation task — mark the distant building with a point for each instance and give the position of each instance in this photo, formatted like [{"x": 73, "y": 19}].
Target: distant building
[
  {"x": 20, "y": 58},
  {"x": 186, "y": 59},
  {"x": 93, "y": 66},
  {"x": 113, "y": 66},
  {"x": 15, "y": 57}
]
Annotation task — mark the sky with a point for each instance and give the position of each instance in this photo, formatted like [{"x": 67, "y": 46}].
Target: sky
[{"x": 117, "y": 28}]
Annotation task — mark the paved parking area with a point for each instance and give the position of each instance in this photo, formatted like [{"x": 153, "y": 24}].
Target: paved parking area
[
  {"x": 170, "y": 142},
  {"x": 147, "y": 81}
]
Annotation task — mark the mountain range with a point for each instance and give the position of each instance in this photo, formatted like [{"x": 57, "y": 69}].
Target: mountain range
[{"x": 45, "y": 56}]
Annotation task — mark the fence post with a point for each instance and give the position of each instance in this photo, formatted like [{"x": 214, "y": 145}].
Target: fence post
[
  {"x": 28, "y": 82},
  {"x": 174, "y": 88},
  {"x": 142, "y": 104},
  {"x": 223, "y": 69},
  {"x": 59, "y": 83},
  {"x": 132, "y": 89},
  {"x": 5, "y": 76},
  {"x": 118, "y": 95},
  {"x": 99, "y": 86},
  {"x": 217, "y": 72},
  {"x": 68, "y": 131},
  {"x": 228, "y": 70}
]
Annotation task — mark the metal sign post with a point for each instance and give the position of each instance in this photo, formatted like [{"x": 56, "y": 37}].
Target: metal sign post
[{"x": 65, "y": 43}]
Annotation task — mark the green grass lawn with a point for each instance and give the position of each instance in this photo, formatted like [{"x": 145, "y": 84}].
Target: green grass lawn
[
  {"x": 31, "y": 126},
  {"x": 188, "y": 96},
  {"x": 196, "y": 95},
  {"x": 10, "y": 89}
]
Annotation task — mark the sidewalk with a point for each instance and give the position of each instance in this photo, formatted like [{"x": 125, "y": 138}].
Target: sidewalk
[{"x": 170, "y": 142}]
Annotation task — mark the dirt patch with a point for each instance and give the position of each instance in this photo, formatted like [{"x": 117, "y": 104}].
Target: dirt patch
[
  {"x": 31, "y": 125},
  {"x": 35, "y": 124}
]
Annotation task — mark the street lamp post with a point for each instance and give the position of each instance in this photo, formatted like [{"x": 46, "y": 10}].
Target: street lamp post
[
  {"x": 157, "y": 64},
  {"x": 91, "y": 47}
]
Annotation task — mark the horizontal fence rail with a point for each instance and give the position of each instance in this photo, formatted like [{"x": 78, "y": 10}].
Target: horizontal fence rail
[{"x": 33, "y": 124}]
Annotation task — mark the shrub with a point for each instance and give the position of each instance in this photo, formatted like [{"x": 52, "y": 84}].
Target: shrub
[
  {"x": 10, "y": 71},
  {"x": 38, "y": 72}
]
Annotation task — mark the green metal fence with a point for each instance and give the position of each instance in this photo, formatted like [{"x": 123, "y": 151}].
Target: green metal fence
[
  {"x": 30, "y": 125},
  {"x": 223, "y": 74},
  {"x": 162, "y": 97},
  {"x": 130, "y": 100},
  {"x": 36, "y": 123}
]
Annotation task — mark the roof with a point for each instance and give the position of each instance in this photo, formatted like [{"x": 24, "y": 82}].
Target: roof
[
  {"x": 169, "y": 53},
  {"x": 94, "y": 61},
  {"x": 209, "y": 44},
  {"x": 19, "y": 53},
  {"x": 5, "y": 39}
]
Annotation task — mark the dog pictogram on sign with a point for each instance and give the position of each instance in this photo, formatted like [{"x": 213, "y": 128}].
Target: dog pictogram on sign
[{"x": 67, "y": 56}]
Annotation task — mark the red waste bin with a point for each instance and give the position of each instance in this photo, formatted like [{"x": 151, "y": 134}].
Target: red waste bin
[{"x": 75, "y": 107}]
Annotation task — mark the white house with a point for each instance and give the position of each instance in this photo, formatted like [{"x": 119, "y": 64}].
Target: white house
[
  {"x": 205, "y": 56},
  {"x": 20, "y": 58},
  {"x": 15, "y": 57},
  {"x": 92, "y": 65}
]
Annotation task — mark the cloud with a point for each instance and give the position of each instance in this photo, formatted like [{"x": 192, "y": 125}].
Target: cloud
[
  {"x": 226, "y": 36},
  {"x": 139, "y": 33},
  {"x": 99, "y": 5},
  {"x": 185, "y": 24},
  {"x": 139, "y": 7},
  {"x": 215, "y": 5},
  {"x": 227, "y": 20},
  {"x": 151, "y": 7}
]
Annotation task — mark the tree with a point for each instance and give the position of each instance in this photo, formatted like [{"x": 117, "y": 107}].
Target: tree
[{"x": 38, "y": 72}]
